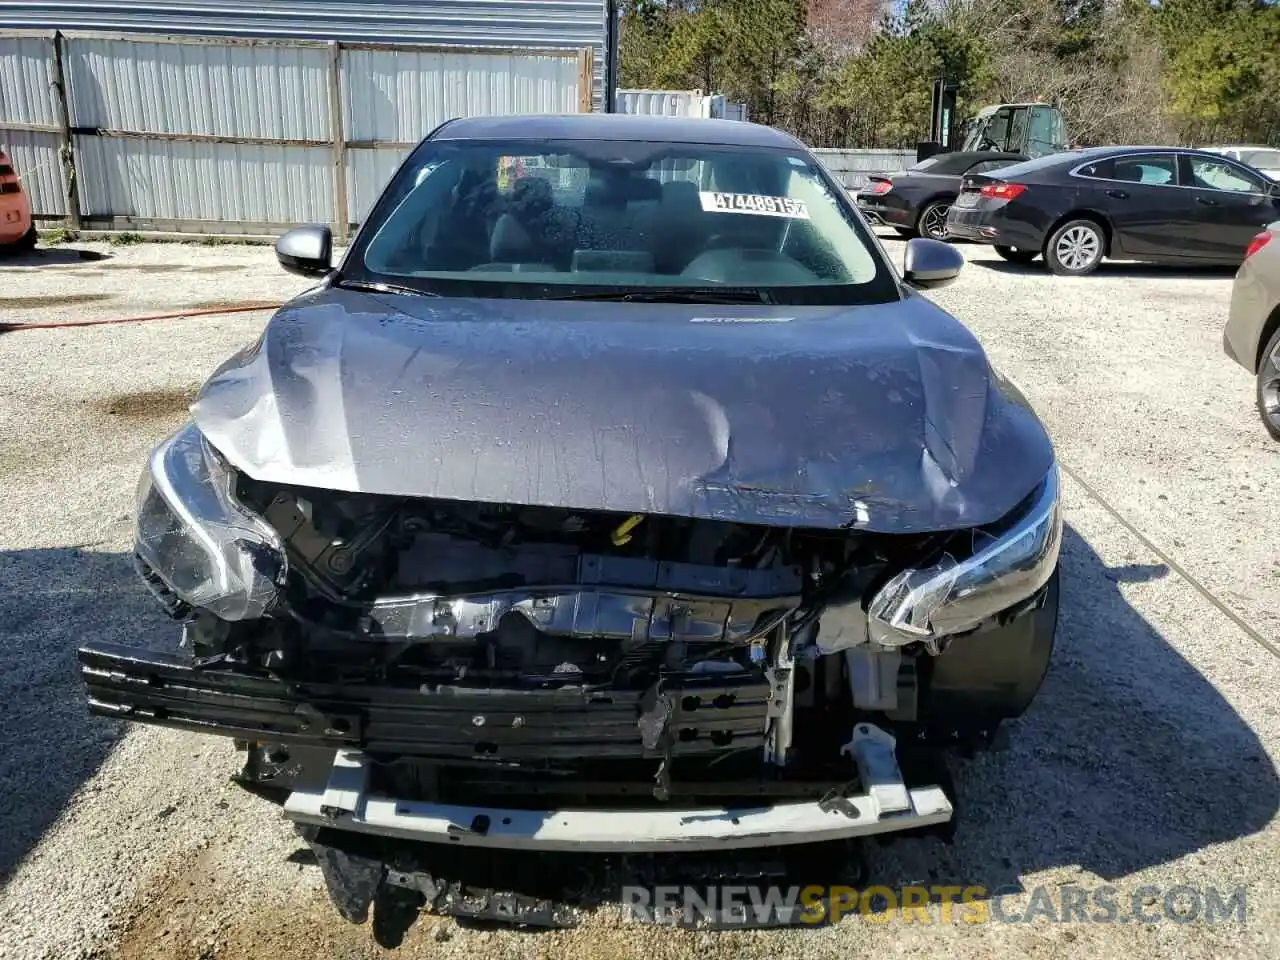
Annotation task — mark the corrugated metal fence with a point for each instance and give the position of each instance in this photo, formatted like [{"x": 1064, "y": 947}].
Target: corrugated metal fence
[
  {"x": 540, "y": 24},
  {"x": 678, "y": 103},
  {"x": 246, "y": 136},
  {"x": 851, "y": 167}
]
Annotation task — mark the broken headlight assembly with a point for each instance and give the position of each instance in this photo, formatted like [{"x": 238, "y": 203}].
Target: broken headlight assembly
[
  {"x": 1009, "y": 562},
  {"x": 195, "y": 536}
]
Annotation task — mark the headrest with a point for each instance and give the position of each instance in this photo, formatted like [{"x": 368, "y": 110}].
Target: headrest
[
  {"x": 531, "y": 195},
  {"x": 683, "y": 192},
  {"x": 617, "y": 190}
]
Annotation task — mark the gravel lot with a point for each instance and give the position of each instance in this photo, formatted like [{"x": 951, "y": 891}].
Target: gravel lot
[{"x": 1149, "y": 759}]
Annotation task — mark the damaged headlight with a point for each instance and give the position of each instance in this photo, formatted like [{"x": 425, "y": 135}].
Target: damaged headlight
[
  {"x": 952, "y": 596},
  {"x": 194, "y": 535}
]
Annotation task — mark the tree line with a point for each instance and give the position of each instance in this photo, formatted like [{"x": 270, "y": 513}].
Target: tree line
[{"x": 859, "y": 73}]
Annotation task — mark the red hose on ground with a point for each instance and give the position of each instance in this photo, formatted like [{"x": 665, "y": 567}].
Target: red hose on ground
[{"x": 10, "y": 327}]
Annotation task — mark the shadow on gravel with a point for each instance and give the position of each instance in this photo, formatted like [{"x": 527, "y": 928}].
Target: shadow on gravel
[
  {"x": 1147, "y": 271},
  {"x": 54, "y": 600},
  {"x": 59, "y": 256},
  {"x": 1129, "y": 757}
]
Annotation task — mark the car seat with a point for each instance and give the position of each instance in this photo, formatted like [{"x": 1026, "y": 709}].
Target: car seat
[
  {"x": 681, "y": 228},
  {"x": 463, "y": 235},
  {"x": 526, "y": 231}
]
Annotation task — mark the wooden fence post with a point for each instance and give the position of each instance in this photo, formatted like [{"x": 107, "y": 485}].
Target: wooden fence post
[
  {"x": 66, "y": 147},
  {"x": 586, "y": 79},
  {"x": 342, "y": 215}
]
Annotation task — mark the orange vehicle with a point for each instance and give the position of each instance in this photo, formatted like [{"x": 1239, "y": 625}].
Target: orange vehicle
[{"x": 16, "y": 229}]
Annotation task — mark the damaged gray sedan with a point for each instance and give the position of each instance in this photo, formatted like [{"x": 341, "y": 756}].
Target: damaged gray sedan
[{"x": 613, "y": 494}]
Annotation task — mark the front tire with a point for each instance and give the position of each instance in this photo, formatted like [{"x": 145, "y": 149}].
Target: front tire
[
  {"x": 1075, "y": 248},
  {"x": 24, "y": 244},
  {"x": 932, "y": 222},
  {"x": 1014, "y": 255},
  {"x": 1268, "y": 387}
]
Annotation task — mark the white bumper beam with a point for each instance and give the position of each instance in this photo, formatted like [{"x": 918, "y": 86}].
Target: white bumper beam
[{"x": 347, "y": 804}]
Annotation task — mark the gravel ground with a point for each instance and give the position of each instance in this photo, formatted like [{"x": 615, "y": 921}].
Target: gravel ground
[{"x": 1149, "y": 758}]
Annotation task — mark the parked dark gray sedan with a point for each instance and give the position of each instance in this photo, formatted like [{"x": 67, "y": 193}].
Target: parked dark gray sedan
[
  {"x": 614, "y": 493},
  {"x": 915, "y": 202}
]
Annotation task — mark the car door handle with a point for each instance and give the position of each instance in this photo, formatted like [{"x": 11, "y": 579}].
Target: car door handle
[
  {"x": 1207, "y": 201},
  {"x": 1118, "y": 194}
]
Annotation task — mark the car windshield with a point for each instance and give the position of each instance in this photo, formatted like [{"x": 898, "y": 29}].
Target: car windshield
[{"x": 640, "y": 220}]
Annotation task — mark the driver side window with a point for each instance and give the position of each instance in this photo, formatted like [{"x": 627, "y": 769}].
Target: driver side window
[{"x": 1216, "y": 175}]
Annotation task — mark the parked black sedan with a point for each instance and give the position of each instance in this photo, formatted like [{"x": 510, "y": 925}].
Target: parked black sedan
[
  {"x": 915, "y": 202},
  {"x": 1157, "y": 204}
]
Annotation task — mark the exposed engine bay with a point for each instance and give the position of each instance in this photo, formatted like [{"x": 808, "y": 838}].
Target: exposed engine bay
[
  {"x": 547, "y": 651},
  {"x": 400, "y": 668},
  {"x": 658, "y": 637}
]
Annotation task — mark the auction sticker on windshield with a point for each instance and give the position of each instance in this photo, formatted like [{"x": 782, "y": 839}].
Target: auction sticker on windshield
[{"x": 761, "y": 206}]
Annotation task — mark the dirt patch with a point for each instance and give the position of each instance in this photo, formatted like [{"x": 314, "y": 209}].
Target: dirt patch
[
  {"x": 196, "y": 909},
  {"x": 188, "y": 911},
  {"x": 236, "y": 304},
  {"x": 171, "y": 268},
  {"x": 183, "y": 914},
  {"x": 147, "y": 404},
  {"x": 217, "y": 268},
  {"x": 145, "y": 268},
  {"x": 53, "y": 300}
]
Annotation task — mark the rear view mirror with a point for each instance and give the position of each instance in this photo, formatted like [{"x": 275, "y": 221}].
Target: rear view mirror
[
  {"x": 929, "y": 264},
  {"x": 306, "y": 251}
]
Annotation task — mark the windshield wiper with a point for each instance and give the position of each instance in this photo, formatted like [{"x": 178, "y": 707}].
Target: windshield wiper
[
  {"x": 673, "y": 295},
  {"x": 374, "y": 287}
]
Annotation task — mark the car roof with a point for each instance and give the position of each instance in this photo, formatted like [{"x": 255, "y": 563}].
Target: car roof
[
  {"x": 1150, "y": 148},
  {"x": 616, "y": 126},
  {"x": 962, "y": 158},
  {"x": 981, "y": 155}
]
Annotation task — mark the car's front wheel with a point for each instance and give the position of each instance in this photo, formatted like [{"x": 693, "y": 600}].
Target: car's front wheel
[
  {"x": 23, "y": 244},
  {"x": 1014, "y": 255},
  {"x": 1269, "y": 387},
  {"x": 1075, "y": 248},
  {"x": 932, "y": 222}
]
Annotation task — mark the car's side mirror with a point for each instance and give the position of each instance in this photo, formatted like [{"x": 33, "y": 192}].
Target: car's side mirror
[
  {"x": 929, "y": 264},
  {"x": 306, "y": 251}
]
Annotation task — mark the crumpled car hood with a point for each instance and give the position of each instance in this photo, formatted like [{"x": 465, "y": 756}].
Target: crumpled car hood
[{"x": 885, "y": 418}]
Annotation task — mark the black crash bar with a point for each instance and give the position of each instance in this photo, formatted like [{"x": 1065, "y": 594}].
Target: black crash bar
[{"x": 700, "y": 715}]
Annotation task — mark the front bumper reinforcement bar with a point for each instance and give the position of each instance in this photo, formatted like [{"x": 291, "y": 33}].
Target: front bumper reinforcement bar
[
  {"x": 347, "y": 803},
  {"x": 459, "y": 723}
]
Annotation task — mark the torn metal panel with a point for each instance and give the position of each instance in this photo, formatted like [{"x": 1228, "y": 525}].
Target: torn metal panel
[{"x": 884, "y": 417}]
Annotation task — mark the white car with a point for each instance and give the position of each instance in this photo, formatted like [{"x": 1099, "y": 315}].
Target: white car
[{"x": 1264, "y": 159}]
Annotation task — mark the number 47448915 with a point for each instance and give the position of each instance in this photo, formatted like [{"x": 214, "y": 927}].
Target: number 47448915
[{"x": 750, "y": 203}]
